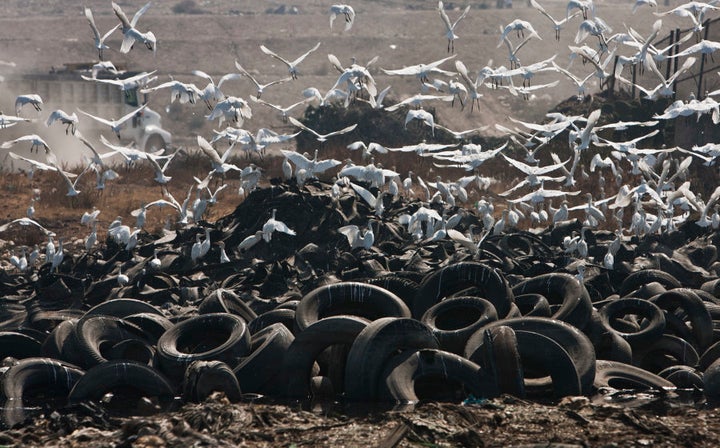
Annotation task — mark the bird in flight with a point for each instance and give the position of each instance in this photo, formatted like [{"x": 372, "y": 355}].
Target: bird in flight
[
  {"x": 345, "y": 10},
  {"x": 292, "y": 65}
]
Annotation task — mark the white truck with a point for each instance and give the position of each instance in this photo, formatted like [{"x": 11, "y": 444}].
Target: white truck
[
  {"x": 145, "y": 129},
  {"x": 65, "y": 89}
]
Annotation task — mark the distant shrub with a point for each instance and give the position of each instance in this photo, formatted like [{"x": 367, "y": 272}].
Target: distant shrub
[{"x": 187, "y": 7}]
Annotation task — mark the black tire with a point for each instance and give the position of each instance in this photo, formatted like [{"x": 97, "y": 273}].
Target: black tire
[
  {"x": 202, "y": 378},
  {"x": 224, "y": 300},
  {"x": 403, "y": 372},
  {"x": 617, "y": 375},
  {"x": 404, "y": 288},
  {"x": 282, "y": 316},
  {"x": 301, "y": 354},
  {"x": 152, "y": 325},
  {"x": 348, "y": 298},
  {"x": 609, "y": 345},
  {"x": 537, "y": 353},
  {"x": 49, "y": 377},
  {"x": 453, "y": 320},
  {"x": 640, "y": 278},
  {"x": 695, "y": 310},
  {"x": 711, "y": 381},
  {"x": 372, "y": 348},
  {"x": 564, "y": 290},
  {"x": 122, "y": 308},
  {"x": 113, "y": 375},
  {"x": 58, "y": 344},
  {"x": 457, "y": 277},
  {"x": 572, "y": 340},
  {"x": 709, "y": 356},
  {"x": 95, "y": 333},
  {"x": 653, "y": 316},
  {"x": 257, "y": 372},
  {"x": 666, "y": 351},
  {"x": 533, "y": 304},
  {"x": 217, "y": 336},
  {"x": 18, "y": 345},
  {"x": 683, "y": 377},
  {"x": 32, "y": 375},
  {"x": 501, "y": 358}
]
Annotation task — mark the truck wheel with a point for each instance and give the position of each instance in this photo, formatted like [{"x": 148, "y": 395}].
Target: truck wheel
[{"x": 154, "y": 143}]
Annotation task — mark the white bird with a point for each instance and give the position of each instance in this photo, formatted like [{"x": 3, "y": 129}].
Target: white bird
[
  {"x": 212, "y": 93},
  {"x": 32, "y": 98},
  {"x": 358, "y": 238},
  {"x": 91, "y": 238},
  {"x": 693, "y": 10},
  {"x": 422, "y": 115},
  {"x": 260, "y": 88},
  {"x": 57, "y": 257},
  {"x": 584, "y": 6},
  {"x": 520, "y": 27},
  {"x": 36, "y": 143},
  {"x": 132, "y": 34},
  {"x": 374, "y": 201},
  {"x": 131, "y": 155},
  {"x": 450, "y": 26},
  {"x": 233, "y": 109},
  {"x": 557, "y": 24},
  {"x": 72, "y": 186},
  {"x": 375, "y": 175},
  {"x": 99, "y": 39},
  {"x": 219, "y": 163},
  {"x": 535, "y": 175},
  {"x": 196, "y": 249},
  {"x": 223, "y": 255},
  {"x": 541, "y": 194},
  {"x": 332, "y": 96},
  {"x": 472, "y": 85},
  {"x": 284, "y": 110},
  {"x": 322, "y": 137},
  {"x": 180, "y": 91},
  {"x": 7, "y": 121},
  {"x": 250, "y": 241},
  {"x": 292, "y": 65},
  {"x": 116, "y": 125},
  {"x": 273, "y": 225},
  {"x": 579, "y": 82},
  {"x": 88, "y": 218},
  {"x": 421, "y": 71},
  {"x": 367, "y": 150},
  {"x": 704, "y": 47},
  {"x": 104, "y": 66},
  {"x": 127, "y": 85},
  {"x": 21, "y": 262},
  {"x": 418, "y": 100},
  {"x": 347, "y": 11},
  {"x": 26, "y": 222},
  {"x": 30, "y": 212},
  {"x": 70, "y": 121},
  {"x": 160, "y": 176},
  {"x": 310, "y": 167},
  {"x": 122, "y": 279}
]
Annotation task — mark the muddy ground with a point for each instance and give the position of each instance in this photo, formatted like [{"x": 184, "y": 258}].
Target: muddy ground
[{"x": 506, "y": 421}]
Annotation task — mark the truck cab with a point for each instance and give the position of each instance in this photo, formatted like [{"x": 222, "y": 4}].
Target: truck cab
[{"x": 145, "y": 128}]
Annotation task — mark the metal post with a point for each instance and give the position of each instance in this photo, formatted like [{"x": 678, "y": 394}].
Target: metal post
[
  {"x": 702, "y": 62},
  {"x": 672, "y": 41},
  {"x": 676, "y": 47}
]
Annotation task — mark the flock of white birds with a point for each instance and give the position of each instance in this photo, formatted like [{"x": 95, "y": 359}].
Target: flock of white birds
[{"x": 659, "y": 196}]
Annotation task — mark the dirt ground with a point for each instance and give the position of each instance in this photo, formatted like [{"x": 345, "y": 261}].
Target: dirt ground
[{"x": 503, "y": 422}]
